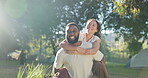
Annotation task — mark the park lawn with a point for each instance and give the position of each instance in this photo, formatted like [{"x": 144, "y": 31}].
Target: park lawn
[
  {"x": 5, "y": 62},
  {"x": 8, "y": 68},
  {"x": 117, "y": 70}
]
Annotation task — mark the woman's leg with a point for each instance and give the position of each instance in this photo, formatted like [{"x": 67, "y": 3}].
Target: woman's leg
[{"x": 99, "y": 69}]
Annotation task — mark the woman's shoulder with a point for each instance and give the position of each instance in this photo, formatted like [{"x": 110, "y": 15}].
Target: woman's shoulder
[{"x": 96, "y": 37}]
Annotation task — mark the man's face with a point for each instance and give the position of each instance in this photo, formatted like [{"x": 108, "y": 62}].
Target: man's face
[{"x": 72, "y": 34}]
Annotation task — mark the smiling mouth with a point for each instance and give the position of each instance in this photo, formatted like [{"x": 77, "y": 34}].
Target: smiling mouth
[
  {"x": 90, "y": 29},
  {"x": 72, "y": 37}
]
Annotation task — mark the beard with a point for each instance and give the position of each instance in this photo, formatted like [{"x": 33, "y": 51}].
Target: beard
[{"x": 73, "y": 41}]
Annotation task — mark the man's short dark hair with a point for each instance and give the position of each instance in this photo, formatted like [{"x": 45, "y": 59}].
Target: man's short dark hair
[{"x": 72, "y": 23}]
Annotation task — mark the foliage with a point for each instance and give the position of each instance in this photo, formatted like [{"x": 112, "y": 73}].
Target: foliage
[
  {"x": 42, "y": 47},
  {"x": 134, "y": 49},
  {"x": 80, "y": 11},
  {"x": 33, "y": 71},
  {"x": 124, "y": 7},
  {"x": 103, "y": 48},
  {"x": 63, "y": 12},
  {"x": 39, "y": 18},
  {"x": 43, "y": 21},
  {"x": 132, "y": 28},
  {"x": 13, "y": 36},
  {"x": 49, "y": 17}
]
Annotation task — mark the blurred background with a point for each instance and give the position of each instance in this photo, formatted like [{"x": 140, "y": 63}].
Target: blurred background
[{"x": 30, "y": 31}]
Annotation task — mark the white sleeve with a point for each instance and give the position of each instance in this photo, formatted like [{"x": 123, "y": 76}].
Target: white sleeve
[
  {"x": 95, "y": 38},
  {"x": 58, "y": 62},
  {"x": 98, "y": 56},
  {"x": 86, "y": 45}
]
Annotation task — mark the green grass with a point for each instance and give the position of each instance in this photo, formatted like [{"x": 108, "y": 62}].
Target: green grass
[
  {"x": 117, "y": 70},
  {"x": 9, "y": 62},
  {"x": 33, "y": 71},
  {"x": 8, "y": 68}
]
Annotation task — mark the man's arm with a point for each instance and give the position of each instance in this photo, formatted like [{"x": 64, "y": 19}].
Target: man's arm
[{"x": 58, "y": 62}]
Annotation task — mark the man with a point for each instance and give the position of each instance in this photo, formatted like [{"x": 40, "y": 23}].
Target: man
[{"x": 78, "y": 66}]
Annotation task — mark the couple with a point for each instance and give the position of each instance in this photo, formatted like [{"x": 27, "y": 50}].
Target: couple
[{"x": 80, "y": 55}]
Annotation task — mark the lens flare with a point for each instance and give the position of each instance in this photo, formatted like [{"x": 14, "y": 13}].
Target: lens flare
[{"x": 16, "y": 8}]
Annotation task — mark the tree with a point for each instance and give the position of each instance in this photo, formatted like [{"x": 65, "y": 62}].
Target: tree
[
  {"x": 13, "y": 35},
  {"x": 38, "y": 19},
  {"x": 41, "y": 19},
  {"x": 133, "y": 26},
  {"x": 80, "y": 11}
]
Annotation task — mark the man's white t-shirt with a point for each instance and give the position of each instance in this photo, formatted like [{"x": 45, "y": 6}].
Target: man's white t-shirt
[{"x": 78, "y": 66}]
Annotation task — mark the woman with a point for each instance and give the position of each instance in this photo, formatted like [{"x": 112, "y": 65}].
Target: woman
[{"x": 91, "y": 34}]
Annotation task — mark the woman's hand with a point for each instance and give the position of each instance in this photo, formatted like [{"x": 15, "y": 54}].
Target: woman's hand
[{"x": 63, "y": 43}]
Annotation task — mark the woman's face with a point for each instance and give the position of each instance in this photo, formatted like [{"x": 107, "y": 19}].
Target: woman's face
[{"x": 91, "y": 25}]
